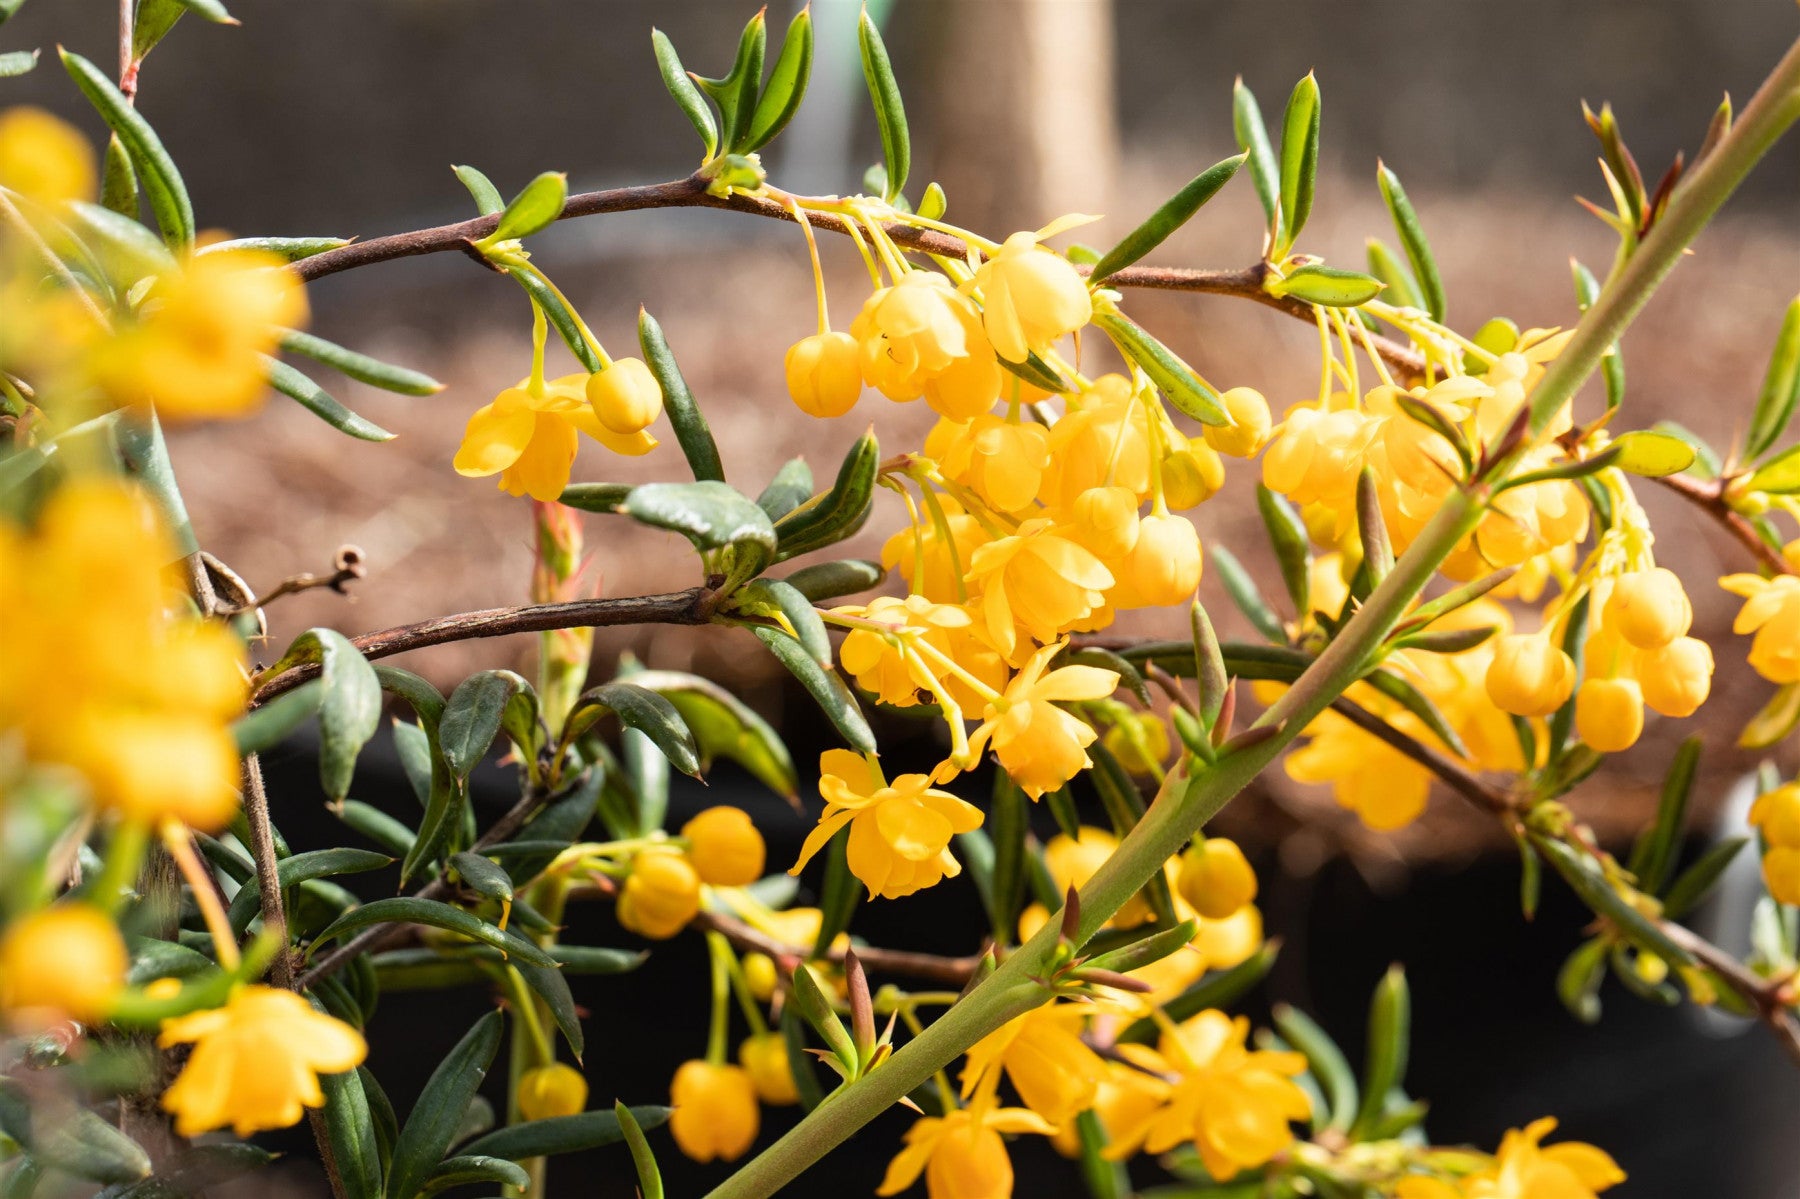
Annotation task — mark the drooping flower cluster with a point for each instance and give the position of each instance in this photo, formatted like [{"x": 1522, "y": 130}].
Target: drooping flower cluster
[{"x": 1525, "y": 1168}]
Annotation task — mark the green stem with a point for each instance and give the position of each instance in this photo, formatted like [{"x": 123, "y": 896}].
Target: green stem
[
  {"x": 718, "y": 1033},
  {"x": 1183, "y": 806}
]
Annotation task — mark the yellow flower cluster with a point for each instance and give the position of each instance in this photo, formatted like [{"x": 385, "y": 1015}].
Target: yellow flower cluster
[
  {"x": 99, "y": 675},
  {"x": 1771, "y": 612},
  {"x": 661, "y": 894},
  {"x": 1525, "y": 1168},
  {"x": 1777, "y": 816},
  {"x": 530, "y": 434}
]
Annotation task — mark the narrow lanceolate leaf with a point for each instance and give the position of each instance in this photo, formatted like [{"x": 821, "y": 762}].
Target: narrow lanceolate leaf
[
  {"x": 1384, "y": 1058},
  {"x": 1247, "y": 595},
  {"x": 735, "y": 93},
  {"x": 595, "y": 497},
  {"x": 1693, "y": 885},
  {"x": 125, "y": 248},
  {"x": 1578, "y": 982},
  {"x": 290, "y": 249},
  {"x": 1586, "y": 880},
  {"x": 817, "y": 1010},
  {"x": 769, "y": 598},
  {"x": 1253, "y": 139},
  {"x": 690, "y": 426},
  {"x": 162, "y": 182},
  {"x": 350, "y": 1127},
  {"x": 403, "y": 909},
  {"x": 839, "y": 896},
  {"x": 474, "y": 714},
  {"x": 829, "y": 691},
  {"x": 300, "y": 868},
  {"x": 552, "y": 986},
  {"x": 708, "y": 513},
  {"x": 351, "y": 709},
  {"x": 830, "y": 580},
  {"x": 781, "y": 96},
  {"x": 1293, "y": 550},
  {"x": 1385, "y": 265},
  {"x": 791, "y": 487},
  {"x": 428, "y": 1131},
  {"x": 890, "y": 113},
  {"x": 1412, "y": 240},
  {"x": 687, "y": 96},
  {"x": 642, "y": 709},
  {"x": 1653, "y": 454},
  {"x": 561, "y": 318},
  {"x": 1327, "y": 285},
  {"x": 361, "y": 367},
  {"x": 1174, "y": 213},
  {"x": 1326, "y": 1062},
  {"x": 723, "y": 725},
  {"x": 1299, "y": 160},
  {"x": 481, "y": 190},
  {"x": 1780, "y": 393},
  {"x": 649, "y": 1177},
  {"x": 1780, "y": 475},
  {"x": 1654, "y": 853},
  {"x": 467, "y": 1170},
  {"x": 79, "y": 1142},
  {"x": 118, "y": 178},
  {"x": 315, "y": 399},
  {"x": 1612, "y": 366},
  {"x": 1173, "y": 377},
  {"x": 18, "y": 62},
  {"x": 562, "y": 1134},
  {"x": 534, "y": 209},
  {"x": 1008, "y": 826},
  {"x": 1209, "y": 666},
  {"x": 833, "y": 515}
]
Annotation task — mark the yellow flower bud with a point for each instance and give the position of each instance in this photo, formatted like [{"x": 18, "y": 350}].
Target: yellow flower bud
[
  {"x": 1609, "y": 714},
  {"x": 1529, "y": 676},
  {"x": 1249, "y": 428},
  {"x": 1191, "y": 476},
  {"x": 1215, "y": 878},
  {"x": 1030, "y": 297},
  {"x": 823, "y": 375},
  {"x": 1677, "y": 678},
  {"x": 661, "y": 895},
  {"x": 1104, "y": 520},
  {"x": 626, "y": 396},
  {"x": 1781, "y": 873},
  {"x": 1777, "y": 814},
  {"x": 765, "y": 1057},
  {"x": 44, "y": 158},
  {"x": 1649, "y": 608},
  {"x": 725, "y": 847},
  {"x": 67, "y": 960},
  {"x": 1164, "y": 566},
  {"x": 553, "y": 1090},
  {"x": 715, "y": 1111},
  {"x": 760, "y": 975}
]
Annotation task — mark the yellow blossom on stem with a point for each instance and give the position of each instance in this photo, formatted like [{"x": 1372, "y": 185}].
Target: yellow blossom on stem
[
  {"x": 1249, "y": 429},
  {"x": 1216, "y": 878},
  {"x": 529, "y": 436},
  {"x": 256, "y": 1061},
  {"x": 62, "y": 961},
  {"x": 1772, "y": 612},
  {"x": 715, "y": 1111},
  {"x": 1609, "y": 714},
  {"x": 1039, "y": 744},
  {"x": 625, "y": 396},
  {"x": 920, "y": 338},
  {"x": 44, "y": 158},
  {"x": 1777, "y": 815},
  {"x": 549, "y": 1091},
  {"x": 1036, "y": 581},
  {"x": 725, "y": 847},
  {"x": 765, "y": 1057},
  {"x": 1530, "y": 676},
  {"x": 661, "y": 894},
  {"x": 961, "y": 1154},
  {"x": 1002, "y": 461},
  {"x": 881, "y": 668},
  {"x": 1103, "y": 440},
  {"x": 1043, "y": 1054},
  {"x": 1123, "y": 1096},
  {"x": 1525, "y": 1168},
  {"x": 824, "y": 377},
  {"x": 899, "y": 832},
  {"x": 935, "y": 566},
  {"x": 1030, "y": 297}
]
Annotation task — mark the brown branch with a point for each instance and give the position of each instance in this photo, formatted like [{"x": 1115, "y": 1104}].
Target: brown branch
[
  {"x": 690, "y": 607},
  {"x": 1709, "y": 497},
  {"x": 691, "y": 192},
  {"x": 346, "y": 567}
]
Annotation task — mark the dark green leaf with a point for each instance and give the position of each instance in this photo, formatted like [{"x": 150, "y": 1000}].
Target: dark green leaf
[
  {"x": 834, "y": 515},
  {"x": 404, "y": 909},
  {"x": 1106, "y": 659},
  {"x": 1385, "y": 265},
  {"x": 735, "y": 94},
  {"x": 829, "y": 580},
  {"x": 118, "y": 178},
  {"x": 351, "y": 710},
  {"x": 769, "y": 596},
  {"x": 162, "y": 182},
  {"x": 1412, "y": 240},
  {"x": 649, "y": 1177},
  {"x": 791, "y": 487},
  {"x": 377, "y": 826},
  {"x": 350, "y": 1127},
  {"x": 1653, "y": 855},
  {"x": 435, "y": 1118},
  {"x": 595, "y": 497},
  {"x": 646, "y": 711},
  {"x": 1326, "y": 1062},
  {"x": 1299, "y": 160},
  {"x": 781, "y": 97},
  {"x": 473, "y": 716},
  {"x": 681, "y": 87},
  {"x": 561, "y": 318},
  {"x": 361, "y": 367},
  {"x": 246, "y": 905},
  {"x": 562, "y": 1134},
  {"x": 1173, "y": 377},
  {"x": 1247, "y": 596},
  {"x": 1390, "y": 1040},
  {"x": 290, "y": 249},
  {"x": 1174, "y": 213},
  {"x": 1585, "y": 879},
  {"x": 1696, "y": 882},
  {"x": 1780, "y": 393},
  {"x": 890, "y": 113},
  {"x": 1293, "y": 549},
  {"x": 466, "y": 1170},
  {"x": 291, "y": 383},
  {"x": 690, "y": 426},
  {"x": 551, "y": 985},
  {"x": 723, "y": 725},
  {"x": 73, "y": 1140},
  {"x": 1253, "y": 139},
  {"x": 1146, "y": 951},
  {"x": 708, "y": 513},
  {"x": 827, "y": 689},
  {"x": 267, "y": 726},
  {"x": 817, "y": 1011},
  {"x": 839, "y": 896}
]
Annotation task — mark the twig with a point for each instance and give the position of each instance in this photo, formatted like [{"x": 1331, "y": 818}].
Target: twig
[
  {"x": 1765, "y": 994},
  {"x": 347, "y": 566},
  {"x": 268, "y": 873},
  {"x": 691, "y": 192},
  {"x": 1709, "y": 497}
]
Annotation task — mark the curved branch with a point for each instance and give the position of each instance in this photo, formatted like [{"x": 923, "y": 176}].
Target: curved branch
[
  {"x": 692, "y": 193},
  {"x": 1709, "y": 497}
]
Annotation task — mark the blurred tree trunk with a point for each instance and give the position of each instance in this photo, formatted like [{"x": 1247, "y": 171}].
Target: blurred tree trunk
[{"x": 1024, "y": 123}]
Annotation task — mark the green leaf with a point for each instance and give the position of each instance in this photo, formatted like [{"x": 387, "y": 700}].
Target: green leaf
[
  {"x": 377, "y": 826},
  {"x": 1578, "y": 981},
  {"x": 800, "y": 1061},
  {"x": 690, "y": 426},
  {"x": 162, "y": 182},
  {"x": 291, "y": 383},
  {"x": 1293, "y": 550},
  {"x": 890, "y": 113},
  {"x": 561, "y": 318},
  {"x": 1129, "y": 675},
  {"x": 536, "y": 207},
  {"x": 1612, "y": 366},
  {"x": 1008, "y": 825},
  {"x": 649, "y": 1177},
  {"x": 834, "y": 515},
  {"x": 1299, "y": 160},
  {"x": 1696, "y": 882},
  {"x": 468, "y": 1169},
  {"x": 290, "y": 872},
  {"x": 1327, "y": 285},
  {"x": 481, "y": 875},
  {"x": 1780, "y": 475},
  {"x": 1774, "y": 721},
  {"x": 595, "y": 497},
  {"x": 350, "y": 1128},
  {"x": 1035, "y": 371},
  {"x": 1174, "y": 213},
  {"x": 648, "y": 772},
  {"x": 1707, "y": 464},
  {"x": 1412, "y": 240},
  {"x": 1217, "y": 990},
  {"x": 405, "y": 909},
  {"x": 562, "y": 1134},
  {"x": 642, "y": 709},
  {"x": 553, "y": 988},
  {"x": 708, "y": 513},
  {"x": 1247, "y": 595},
  {"x": 791, "y": 487},
  {"x": 351, "y": 710},
  {"x": 1175, "y": 378},
  {"x": 1390, "y": 1040},
  {"x": 1654, "y": 454},
  {"x": 435, "y": 1118},
  {"x": 1589, "y": 884},
  {"x": 735, "y": 93},
  {"x": 828, "y": 690},
  {"x": 1654, "y": 852},
  {"x": 118, "y": 179},
  {"x": 267, "y": 726},
  {"x": 1326, "y": 1062},
  {"x": 839, "y": 895},
  {"x": 289, "y": 249},
  {"x": 817, "y": 1011},
  {"x": 17, "y": 62},
  {"x": 1385, "y": 265},
  {"x": 1253, "y": 139},
  {"x": 74, "y": 1140},
  {"x": 361, "y": 367},
  {"x": 127, "y": 249},
  {"x": 482, "y": 189},
  {"x": 681, "y": 86},
  {"x": 787, "y": 83},
  {"x": 474, "y": 714},
  {"x": 1146, "y": 951},
  {"x": 723, "y": 725},
  {"x": 769, "y": 596},
  {"x": 830, "y": 580},
  {"x": 1780, "y": 393}
]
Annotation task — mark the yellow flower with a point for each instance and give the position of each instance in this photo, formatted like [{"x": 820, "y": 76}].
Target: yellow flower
[
  {"x": 529, "y": 438},
  {"x": 1232, "y": 1103},
  {"x": 554, "y": 1090},
  {"x": 1384, "y": 787},
  {"x": 1771, "y": 611},
  {"x": 1163, "y": 567},
  {"x": 1104, "y": 521},
  {"x": 660, "y": 896},
  {"x": 1103, "y": 440},
  {"x": 1677, "y": 678},
  {"x": 197, "y": 347},
  {"x": 1248, "y": 431},
  {"x": 1648, "y": 608},
  {"x": 715, "y": 1111},
  {"x": 765, "y": 1058},
  {"x": 725, "y": 847},
  {"x": 1529, "y": 676},
  {"x": 1002, "y": 460},
  {"x": 943, "y": 578},
  {"x": 1071, "y": 862},
  {"x": 1042, "y": 1052},
  {"x": 96, "y": 675},
  {"x": 1030, "y": 297},
  {"x": 823, "y": 375},
  {"x": 961, "y": 1154},
  {"x": 1216, "y": 878},
  {"x": 1140, "y": 742},
  {"x": 1317, "y": 456},
  {"x": 1609, "y": 714},
  {"x": 255, "y": 1062},
  {"x": 1526, "y": 1169},
  {"x": 625, "y": 396},
  {"x": 1038, "y": 744},
  {"x": 1777, "y": 815},
  {"x": 879, "y": 668},
  {"x": 66, "y": 960},
  {"x": 1123, "y": 1096},
  {"x": 920, "y": 338},
  {"x": 1036, "y": 580},
  {"x": 899, "y": 833},
  {"x": 43, "y": 158},
  {"x": 1191, "y": 475}
]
